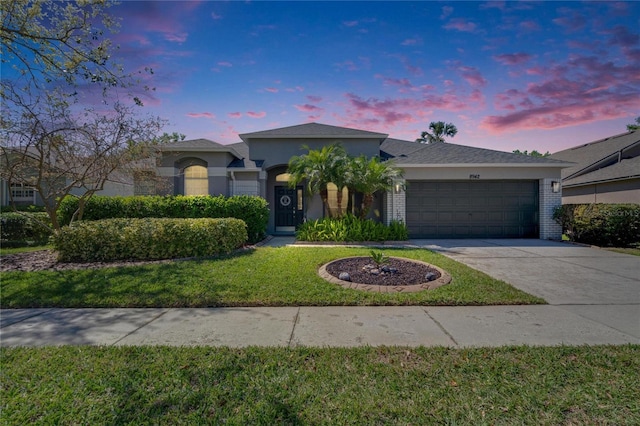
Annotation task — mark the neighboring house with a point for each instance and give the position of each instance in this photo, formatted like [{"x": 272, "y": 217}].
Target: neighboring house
[
  {"x": 452, "y": 191},
  {"x": 605, "y": 171}
]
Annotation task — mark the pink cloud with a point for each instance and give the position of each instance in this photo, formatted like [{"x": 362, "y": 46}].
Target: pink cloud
[
  {"x": 225, "y": 64},
  {"x": 271, "y": 89},
  {"x": 208, "y": 115},
  {"x": 234, "y": 114},
  {"x": 308, "y": 108},
  {"x": 398, "y": 82},
  {"x": 461, "y": 25},
  {"x": 350, "y": 23},
  {"x": 584, "y": 89},
  {"x": 529, "y": 26},
  {"x": 215, "y": 16},
  {"x": 313, "y": 98},
  {"x": 446, "y": 12},
  {"x": 471, "y": 75},
  {"x": 571, "y": 20},
  {"x": 512, "y": 58},
  {"x": 253, "y": 114}
]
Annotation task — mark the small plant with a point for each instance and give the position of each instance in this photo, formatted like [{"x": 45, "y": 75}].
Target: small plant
[{"x": 379, "y": 258}]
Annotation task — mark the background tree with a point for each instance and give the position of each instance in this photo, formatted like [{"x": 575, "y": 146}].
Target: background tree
[
  {"x": 634, "y": 126},
  {"x": 533, "y": 153},
  {"x": 55, "y": 55},
  {"x": 439, "y": 129}
]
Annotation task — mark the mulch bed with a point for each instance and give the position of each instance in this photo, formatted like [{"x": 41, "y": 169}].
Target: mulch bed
[{"x": 408, "y": 273}]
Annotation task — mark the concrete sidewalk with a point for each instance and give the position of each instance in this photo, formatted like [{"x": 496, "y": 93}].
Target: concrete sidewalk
[
  {"x": 314, "y": 326},
  {"x": 593, "y": 296}
]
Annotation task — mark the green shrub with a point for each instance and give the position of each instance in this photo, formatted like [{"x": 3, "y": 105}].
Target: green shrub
[
  {"x": 351, "y": 228},
  {"x": 146, "y": 239},
  {"x": 24, "y": 229},
  {"x": 254, "y": 211},
  {"x": 616, "y": 225}
]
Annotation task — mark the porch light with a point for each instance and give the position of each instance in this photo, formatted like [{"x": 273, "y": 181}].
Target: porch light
[
  {"x": 555, "y": 186},
  {"x": 397, "y": 187}
]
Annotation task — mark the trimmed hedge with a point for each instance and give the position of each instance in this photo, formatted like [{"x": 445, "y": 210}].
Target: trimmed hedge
[
  {"x": 615, "y": 225},
  {"x": 23, "y": 229},
  {"x": 254, "y": 211},
  {"x": 351, "y": 228},
  {"x": 147, "y": 239}
]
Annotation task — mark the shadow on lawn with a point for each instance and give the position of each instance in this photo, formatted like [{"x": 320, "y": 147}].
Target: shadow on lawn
[{"x": 182, "y": 283}]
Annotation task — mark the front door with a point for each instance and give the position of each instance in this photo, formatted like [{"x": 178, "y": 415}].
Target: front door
[{"x": 289, "y": 208}]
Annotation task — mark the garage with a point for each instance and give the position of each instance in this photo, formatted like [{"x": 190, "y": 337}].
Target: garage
[{"x": 472, "y": 209}]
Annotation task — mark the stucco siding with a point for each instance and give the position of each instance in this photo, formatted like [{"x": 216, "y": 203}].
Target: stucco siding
[{"x": 627, "y": 191}]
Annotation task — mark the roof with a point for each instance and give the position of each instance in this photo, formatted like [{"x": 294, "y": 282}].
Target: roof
[
  {"x": 243, "y": 161},
  {"x": 626, "y": 169},
  {"x": 200, "y": 145},
  {"x": 396, "y": 147},
  {"x": 314, "y": 130},
  {"x": 601, "y": 153},
  {"x": 444, "y": 153}
]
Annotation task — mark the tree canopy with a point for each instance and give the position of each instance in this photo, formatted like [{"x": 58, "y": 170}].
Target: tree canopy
[
  {"x": 533, "y": 153},
  {"x": 634, "y": 126},
  {"x": 69, "y": 122},
  {"x": 439, "y": 130}
]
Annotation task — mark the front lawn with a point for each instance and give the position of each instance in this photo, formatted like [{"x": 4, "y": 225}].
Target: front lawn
[
  {"x": 318, "y": 386},
  {"x": 284, "y": 276}
]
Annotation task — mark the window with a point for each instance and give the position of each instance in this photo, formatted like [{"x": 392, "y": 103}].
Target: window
[
  {"x": 21, "y": 192},
  {"x": 332, "y": 198},
  {"x": 196, "y": 181}
]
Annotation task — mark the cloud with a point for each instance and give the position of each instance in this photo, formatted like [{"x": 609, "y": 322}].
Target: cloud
[
  {"x": 225, "y": 64},
  {"x": 512, "y": 58},
  {"x": 582, "y": 90},
  {"x": 234, "y": 115},
  {"x": 313, "y": 98},
  {"x": 271, "y": 89},
  {"x": 215, "y": 16},
  {"x": 571, "y": 20},
  {"x": 471, "y": 75},
  {"x": 446, "y": 12},
  {"x": 254, "y": 114},
  {"x": 460, "y": 24},
  {"x": 208, "y": 115},
  {"x": 412, "y": 41},
  {"x": 308, "y": 108},
  {"x": 529, "y": 25},
  {"x": 350, "y": 23},
  {"x": 294, "y": 89}
]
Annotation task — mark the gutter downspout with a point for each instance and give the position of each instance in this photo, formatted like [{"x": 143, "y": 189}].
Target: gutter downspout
[{"x": 233, "y": 182}]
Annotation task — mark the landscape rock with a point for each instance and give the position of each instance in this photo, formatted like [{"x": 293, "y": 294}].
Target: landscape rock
[{"x": 344, "y": 276}]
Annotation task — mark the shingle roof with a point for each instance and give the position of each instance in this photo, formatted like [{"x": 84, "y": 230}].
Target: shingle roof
[
  {"x": 626, "y": 169},
  {"x": 396, "y": 147},
  {"x": 448, "y": 153},
  {"x": 588, "y": 156},
  {"x": 313, "y": 130},
  {"x": 205, "y": 145}
]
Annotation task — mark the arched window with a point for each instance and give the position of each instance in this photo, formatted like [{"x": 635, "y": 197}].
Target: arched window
[{"x": 196, "y": 181}]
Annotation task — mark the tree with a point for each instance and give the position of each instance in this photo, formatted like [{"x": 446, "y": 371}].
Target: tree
[
  {"x": 319, "y": 168},
  {"x": 533, "y": 153},
  {"x": 370, "y": 176},
  {"x": 634, "y": 126},
  {"x": 53, "y": 54},
  {"x": 439, "y": 129}
]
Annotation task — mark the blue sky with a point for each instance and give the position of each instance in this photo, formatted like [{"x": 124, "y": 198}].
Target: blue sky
[{"x": 509, "y": 75}]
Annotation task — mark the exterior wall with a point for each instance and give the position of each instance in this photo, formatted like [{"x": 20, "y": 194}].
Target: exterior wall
[
  {"x": 279, "y": 151},
  {"x": 480, "y": 171},
  {"x": 244, "y": 183},
  {"x": 548, "y": 201},
  {"x": 395, "y": 206},
  {"x": 627, "y": 191}
]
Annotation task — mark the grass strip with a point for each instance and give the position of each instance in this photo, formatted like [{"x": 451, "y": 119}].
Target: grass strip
[
  {"x": 385, "y": 385},
  {"x": 284, "y": 276}
]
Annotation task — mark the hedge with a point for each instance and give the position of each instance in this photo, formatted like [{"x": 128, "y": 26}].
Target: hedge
[
  {"x": 351, "y": 228},
  {"x": 253, "y": 210},
  {"x": 147, "y": 239},
  {"x": 616, "y": 225},
  {"x": 23, "y": 229}
]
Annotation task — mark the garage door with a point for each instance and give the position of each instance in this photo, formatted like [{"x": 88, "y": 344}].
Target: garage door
[{"x": 460, "y": 209}]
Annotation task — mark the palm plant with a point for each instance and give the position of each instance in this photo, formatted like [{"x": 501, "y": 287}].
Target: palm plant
[
  {"x": 370, "y": 176},
  {"x": 439, "y": 129},
  {"x": 319, "y": 168}
]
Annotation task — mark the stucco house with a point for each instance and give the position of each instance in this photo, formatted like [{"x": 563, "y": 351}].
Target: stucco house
[
  {"x": 604, "y": 171},
  {"x": 450, "y": 190}
]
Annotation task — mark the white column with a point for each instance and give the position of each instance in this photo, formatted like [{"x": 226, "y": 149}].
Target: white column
[{"x": 548, "y": 201}]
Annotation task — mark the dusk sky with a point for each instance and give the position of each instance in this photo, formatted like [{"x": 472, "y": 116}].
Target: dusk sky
[{"x": 509, "y": 75}]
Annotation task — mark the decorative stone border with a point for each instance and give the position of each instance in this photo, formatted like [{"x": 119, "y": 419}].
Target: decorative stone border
[{"x": 445, "y": 278}]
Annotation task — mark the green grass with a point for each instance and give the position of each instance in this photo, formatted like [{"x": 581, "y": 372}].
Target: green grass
[
  {"x": 316, "y": 386},
  {"x": 631, "y": 251},
  {"x": 13, "y": 250},
  {"x": 285, "y": 276}
]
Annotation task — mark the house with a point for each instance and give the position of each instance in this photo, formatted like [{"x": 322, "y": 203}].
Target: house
[
  {"x": 450, "y": 191},
  {"x": 605, "y": 171}
]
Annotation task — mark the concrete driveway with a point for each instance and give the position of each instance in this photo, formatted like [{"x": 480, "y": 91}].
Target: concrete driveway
[{"x": 596, "y": 283}]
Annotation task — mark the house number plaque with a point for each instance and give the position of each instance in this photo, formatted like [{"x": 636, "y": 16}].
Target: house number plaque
[{"x": 474, "y": 176}]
